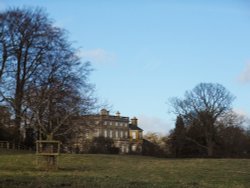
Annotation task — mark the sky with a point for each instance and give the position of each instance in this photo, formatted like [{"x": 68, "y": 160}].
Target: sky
[{"x": 144, "y": 52}]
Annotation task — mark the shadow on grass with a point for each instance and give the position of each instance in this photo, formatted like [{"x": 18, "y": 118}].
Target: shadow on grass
[
  {"x": 70, "y": 169},
  {"x": 69, "y": 181}
]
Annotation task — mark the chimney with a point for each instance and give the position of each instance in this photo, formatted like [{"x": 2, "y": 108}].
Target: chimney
[
  {"x": 118, "y": 114},
  {"x": 134, "y": 121},
  {"x": 104, "y": 112}
]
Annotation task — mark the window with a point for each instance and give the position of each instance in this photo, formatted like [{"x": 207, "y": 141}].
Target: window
[
  {"x": 133, "y": 147},
  {"x": 125, "y": 124},
  {"x": 121, "y": 134},
  {"x": 134, "y": 135},
  {"x": 123, "y": 149},
  {"x": 105, "y": 123},
  {"x": 140, "y": 135},
  {"x": 127, "y": 149},
  {"x": 116, "y": 123},
  {"x": 105, "y": 133},
  {"x": 126, "y": 134},
  {"x": 116, "y": 134},
  {"x": 110, "y": 123},
  {"x": 110, "y": 133}
]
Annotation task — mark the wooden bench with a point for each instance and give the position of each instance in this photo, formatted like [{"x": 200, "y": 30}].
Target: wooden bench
[{"x": 47, "y": 152}]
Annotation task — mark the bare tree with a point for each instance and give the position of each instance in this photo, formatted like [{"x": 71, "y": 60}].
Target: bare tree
[
  {"x": 41, "y": 77},
  {"x": 26, "y": 36},
  {"x": 205, "y": 104},
  {"x": 51, "y": 105}
]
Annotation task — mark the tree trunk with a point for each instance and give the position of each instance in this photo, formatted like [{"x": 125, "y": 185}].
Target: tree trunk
[
  {"x": 18, "y": 112},
  {"x": 210, "y": 148}
]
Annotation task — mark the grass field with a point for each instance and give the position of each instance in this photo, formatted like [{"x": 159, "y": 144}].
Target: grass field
[{"x": 118, "y": 171}]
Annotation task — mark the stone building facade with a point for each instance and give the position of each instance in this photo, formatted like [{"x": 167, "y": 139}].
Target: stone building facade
[
  {"x": 126, "y": 136},
  {"x": 135, "y": 136}
]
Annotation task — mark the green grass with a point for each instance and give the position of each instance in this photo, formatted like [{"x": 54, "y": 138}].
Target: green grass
[{"x": 20, "y": 170}]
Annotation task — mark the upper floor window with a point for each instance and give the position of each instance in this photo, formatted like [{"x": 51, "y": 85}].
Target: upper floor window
[
  {"x": 116, "y": 123},
  {"x": 116, "y": 134},
  {"x": 110, "y": 133},
  {"x": 121, "y": 134},
  {"x": 126, "y": 134},
  {"x": 133, "y": 135},
  {"x": 105, "y": 133},
  {"x": 105, "y": 123},
  {"x": 140, "y": 135}
]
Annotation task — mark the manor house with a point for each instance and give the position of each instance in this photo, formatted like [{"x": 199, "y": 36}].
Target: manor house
[{"x": 126, "y": 134}]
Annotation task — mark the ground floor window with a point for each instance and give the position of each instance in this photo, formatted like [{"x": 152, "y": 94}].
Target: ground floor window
[
  {"x": 134, "y": 147},
  {"x": 127, "y": 149},
  {"x": 123, "y": 149}
]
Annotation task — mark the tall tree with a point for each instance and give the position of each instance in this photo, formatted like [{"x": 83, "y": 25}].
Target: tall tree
[
  {"x": 39, "y": 70},
  {"x": 178, "y": 137},
  {"x": 26, "y": 36},
  {"x": 206, "y": 104}
]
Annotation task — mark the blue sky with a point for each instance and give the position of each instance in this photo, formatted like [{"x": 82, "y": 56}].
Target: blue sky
[{"x": 146, "y": 51}]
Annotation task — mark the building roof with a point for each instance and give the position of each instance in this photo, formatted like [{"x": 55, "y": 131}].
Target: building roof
[{"x": 133, "y": 127}]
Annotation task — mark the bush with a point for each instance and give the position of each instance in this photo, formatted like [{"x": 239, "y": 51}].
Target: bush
[{"x": 103, "y": 145}]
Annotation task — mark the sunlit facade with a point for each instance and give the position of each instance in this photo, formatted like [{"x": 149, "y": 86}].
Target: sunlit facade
[{"x": 115, "y": 127}]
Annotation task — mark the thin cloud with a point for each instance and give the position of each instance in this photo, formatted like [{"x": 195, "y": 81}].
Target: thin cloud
[
  {"x": 241, "y": 112},
  {"x": 244, "y": 77},
  {"x": 153, "y": 124},
  {"x": 97, "y": 56}
]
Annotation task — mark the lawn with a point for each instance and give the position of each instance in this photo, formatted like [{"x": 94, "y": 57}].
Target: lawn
[{"x": 120, "y": 171}]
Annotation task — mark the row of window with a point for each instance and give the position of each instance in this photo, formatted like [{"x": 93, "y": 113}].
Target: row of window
[
  {"x": 114, "y": 134},
  {"x": 134, "y": 136},
  {"x": 122, "y": 124},
  {"x": 115, "y": 123},
  {"x": 124, "y": 149},
  {"x": 108, "y": 133}
]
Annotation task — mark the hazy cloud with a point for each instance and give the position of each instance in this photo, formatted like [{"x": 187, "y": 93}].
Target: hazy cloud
[
  {"x": 241, "y": 112},
  {"x": 98, "y": 56},
  {"x": 153, "y": 124},
  {"x": 244, "y": 77}
]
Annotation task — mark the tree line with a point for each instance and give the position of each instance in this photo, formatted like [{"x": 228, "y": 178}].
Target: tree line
[{"x": 206, "y": 126}]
